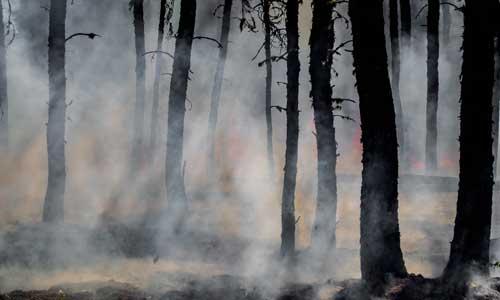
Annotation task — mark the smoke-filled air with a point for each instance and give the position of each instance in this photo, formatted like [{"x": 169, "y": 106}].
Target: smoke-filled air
[{"x": 249, "y": 149}]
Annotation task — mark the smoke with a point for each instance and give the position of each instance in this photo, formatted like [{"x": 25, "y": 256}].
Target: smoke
[{"x": 234, "y": 227}]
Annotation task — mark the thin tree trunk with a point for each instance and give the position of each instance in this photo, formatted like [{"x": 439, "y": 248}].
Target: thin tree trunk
[
  {"x": 432, "y": 84},
  {"x": 269, "y": 83},
  {"x": 53, "y": 210},
  {"x": 445, "y": 8},
  {"x": 4, "y": 107},
  {"x": 176, "y": 194},
  {"x": 292, "y": 129},
  {"x": 405, "y": 11},
  {"x": 396, "y": 74},
  {"x": 140, "y": 87},
  {"x": 322, "y": 41},
  {"x": 156, "y": 85},
  {"x": 380, "y": 238},
  {"x": 217, "y": 87},
  {"x": 496, "y": 106},
  {"x": 470, "y": 245}
]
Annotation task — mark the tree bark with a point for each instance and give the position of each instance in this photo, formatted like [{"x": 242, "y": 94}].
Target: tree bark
[
  {"x": 321, "y": 42},
  {"x": 432, "y": 84},
  {"x": 396, "y": 74},
  {"x": 405, "y": 11},
  {"x": 156, "y": 85},
  {"x": 292, "y": 129},
  {"x": 176, "y": 194},
  {"x": 217, "y": 87},
  {"x": 496, "y": 106},
  {"x": 269, "y": 83},
  {"x": 140, "y": 87},
  {"x": 4, "y": 102},
  {"x": 445, "y": 8},
  {"x": 53, "y": 210},
  {"x": 380, "y": 238},
  {"x": 471, "y": 239}
]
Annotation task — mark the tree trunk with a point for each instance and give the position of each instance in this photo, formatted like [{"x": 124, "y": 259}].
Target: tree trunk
[
  {"x": 380, "y": 239},
  {"x": 496, "y": 104},
  {"x": 471, "y": 240},
  {"x": 445, "y": 8},
  {"x": 322, "y": 41},
  {"x": 4, "y": 107},
  {"x": 395, "y": 74},
  {"x": 292, "y": 129},
  {"x": 432, "y": 84},
  {"x": 269, "y": 83},
  {"x": 140, "y": 87},
  {"x": 217, "y": 87},
  {"x": 156, "y": 85},
  {"x": 53, "y": 210},
  {"x": 176, "y": 194},
  {"x": 405, "y": 11}
]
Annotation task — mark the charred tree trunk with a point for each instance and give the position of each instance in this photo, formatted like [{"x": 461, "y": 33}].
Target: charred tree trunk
[
  {"x": 405, "y": 11},
  {"x": 269, "y": 83},
  {"x": 380, "y": 239},
  {"x": 471, "y": 240},
  {"x": 53, "y": 210},
  {"x": 396, "y": 74},
  {"x": 176, "y": 194},
  {"x": 140, "y": 86},
  {"x": 321, "y": 41},
  {"x": 4, "y": 107},
  {"x": 496, "y": 106},
  {"x": 156, "y": 85},
  {"x": 432, "y": 85},
  {"x": 292, "y": 130},
  {"x": 217, "y": 87}
]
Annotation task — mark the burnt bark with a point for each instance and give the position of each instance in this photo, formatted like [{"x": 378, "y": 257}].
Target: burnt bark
[
  {"x": 471, "y": 239},
  {"x": 321, "y": 42},
  {"x": 217, "y": 87},
  {"x": 53, "y": 210},
  {"x": 496, "y": 106},
  {"x": 406, "y": 26},
  {"x": 396, "y": 73},
  {"x": 4, "y": 102},
  {"x": 292, "y": 130},
  {"x": 156, "y": 85},
  {"x": 140, "y": 86},
  {"x": 269, "y": 82},
  {"x": 432, "y": 85},
  {"x": 176, "y": 194},
  {"x": 380, "y": 238}
]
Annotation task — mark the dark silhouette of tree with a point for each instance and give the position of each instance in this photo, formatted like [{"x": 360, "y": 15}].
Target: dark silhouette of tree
[
  {"x": 269, "y": 82},
  {"x": 380, "y": 238},
  {"x": 432, "y": 84},
  {"x": 53, "y": 210},
  {"x": 176, "y": 193},
  {"x": 469, "y": 252},
  {"x": 292, "y": 129},
  {"x": 140, "y": 85},
  {"x": 166, "y": 13},
  {"x": 4, "y": 102},
  {"x": 406, "y": 28},
  {"x": 496, "y": 105},
  {"x": 321, "y": 42},
  {"x": 217, "y": 87},
  {"x": 396, "y": 74}
]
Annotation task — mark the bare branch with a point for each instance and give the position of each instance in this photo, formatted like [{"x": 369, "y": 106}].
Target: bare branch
[
  {"x": 208, "y": 38},
  {"x": 90, "y": 35},
  {"x": 279, "y": 108},
  {"x": 158, "y": 52}
]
